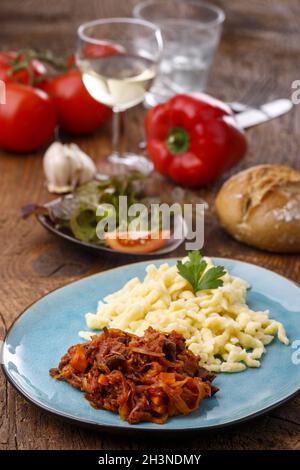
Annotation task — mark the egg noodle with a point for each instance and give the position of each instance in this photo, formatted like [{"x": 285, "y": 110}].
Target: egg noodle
[{"x": 217, "y": 324}]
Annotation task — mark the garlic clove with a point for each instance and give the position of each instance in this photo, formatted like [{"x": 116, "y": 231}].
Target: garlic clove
[
  {"x": 65, "y": 166},
  {"x": 56, "y": 167},
  {"x": 84, "y": 164}
]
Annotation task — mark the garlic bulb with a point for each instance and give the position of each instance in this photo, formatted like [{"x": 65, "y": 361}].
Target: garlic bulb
[{"x": 66, "y": 166}]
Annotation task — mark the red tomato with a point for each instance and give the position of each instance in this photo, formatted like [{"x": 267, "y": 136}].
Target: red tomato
[
  {"x": 94, "y": 51},
  {"x": 102, "y": 50},
  {"x": 78, "y": 112},
  {"x": 27, "y": 119},
  {"x": 35, "y": 69},
  {"x": 132, "y": 243}
]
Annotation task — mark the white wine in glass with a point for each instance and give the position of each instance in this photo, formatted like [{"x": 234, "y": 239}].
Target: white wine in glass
[{"x": 118, "y": 59}]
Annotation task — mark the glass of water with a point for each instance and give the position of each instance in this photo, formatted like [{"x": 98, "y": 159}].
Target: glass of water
[{"x": 191, "y": 32}]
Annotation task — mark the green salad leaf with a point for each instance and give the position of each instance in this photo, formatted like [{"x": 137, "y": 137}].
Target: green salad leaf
[
  {"x": 83, "y": 225},
  {"x": 75, "y": 213}
]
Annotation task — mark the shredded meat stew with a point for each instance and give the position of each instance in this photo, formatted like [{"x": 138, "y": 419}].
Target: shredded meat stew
[{"x": 146, "y": 378}]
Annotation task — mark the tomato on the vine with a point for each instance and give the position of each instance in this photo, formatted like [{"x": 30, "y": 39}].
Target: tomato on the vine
[
  {"x": 95, "y": 51},
  {"x": 27, "y": 119},
  {"x": 77, "y": 111},
  {"x": 19, "y": 68}
]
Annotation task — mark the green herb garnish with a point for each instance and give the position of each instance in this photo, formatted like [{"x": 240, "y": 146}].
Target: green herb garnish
[{"x": 193, "y": 271}]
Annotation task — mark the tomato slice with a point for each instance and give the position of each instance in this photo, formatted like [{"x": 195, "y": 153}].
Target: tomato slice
[{"x": 137, "y": 242}]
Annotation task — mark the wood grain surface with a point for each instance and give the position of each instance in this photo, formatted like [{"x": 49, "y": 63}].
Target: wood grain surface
[{"x": 258, "y": 59}]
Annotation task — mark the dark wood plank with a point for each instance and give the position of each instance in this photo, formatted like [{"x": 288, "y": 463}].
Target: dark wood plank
[{"x": 259, "y": 51}]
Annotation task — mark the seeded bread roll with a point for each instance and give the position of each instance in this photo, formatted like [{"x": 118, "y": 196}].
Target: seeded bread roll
[{"x": 261, "y": 207}]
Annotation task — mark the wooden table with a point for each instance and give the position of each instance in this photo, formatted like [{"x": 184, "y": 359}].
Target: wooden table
[{"x": 257, "y": 61}]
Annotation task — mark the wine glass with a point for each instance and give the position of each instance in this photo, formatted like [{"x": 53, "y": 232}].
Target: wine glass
[{"x": 119, "y": 59}]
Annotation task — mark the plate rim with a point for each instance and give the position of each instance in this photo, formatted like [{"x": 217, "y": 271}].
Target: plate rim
[{"x": 118, "y": 428}]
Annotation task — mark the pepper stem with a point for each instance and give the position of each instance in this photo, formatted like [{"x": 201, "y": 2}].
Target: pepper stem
[{"x": 178, "y": 140}]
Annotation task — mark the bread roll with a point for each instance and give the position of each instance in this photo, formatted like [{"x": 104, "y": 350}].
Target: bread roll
[{"x": 261, "y": 207}]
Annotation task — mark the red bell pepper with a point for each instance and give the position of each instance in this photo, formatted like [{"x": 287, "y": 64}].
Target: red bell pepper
[{"x": 193, "y": 139}]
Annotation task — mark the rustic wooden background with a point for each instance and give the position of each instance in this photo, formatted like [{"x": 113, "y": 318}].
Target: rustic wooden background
[{"x": 258, "y": 59}]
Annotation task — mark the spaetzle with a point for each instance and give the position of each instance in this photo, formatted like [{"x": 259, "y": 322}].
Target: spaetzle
[{"x": 217, "y": 324}]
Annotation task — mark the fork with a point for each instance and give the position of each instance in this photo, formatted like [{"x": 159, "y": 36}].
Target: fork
[{"x": 255, "y": 96}]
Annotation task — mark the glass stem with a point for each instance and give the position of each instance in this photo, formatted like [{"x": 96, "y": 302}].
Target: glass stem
[{"x": 118, "y": 133}]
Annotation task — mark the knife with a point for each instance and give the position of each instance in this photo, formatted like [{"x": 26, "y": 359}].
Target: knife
[
  {"x": 246, "y": 116},
  {"x": 252, "y": 116}
]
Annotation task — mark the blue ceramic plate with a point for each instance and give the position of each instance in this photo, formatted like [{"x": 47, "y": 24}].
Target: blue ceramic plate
[{"x": 42, "y": 334}]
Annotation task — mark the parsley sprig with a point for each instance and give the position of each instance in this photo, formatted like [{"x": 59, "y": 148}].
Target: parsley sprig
[{"x": 193, "y": 271}]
